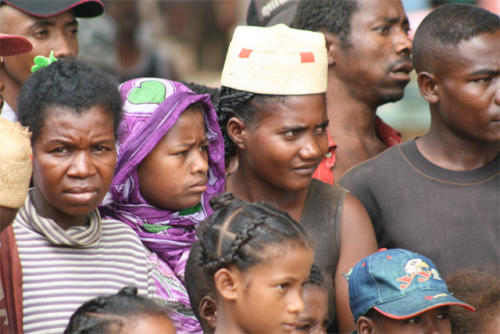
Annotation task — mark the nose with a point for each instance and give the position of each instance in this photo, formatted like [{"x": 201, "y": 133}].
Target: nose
[
  {"x": 403, "y": 43},
  {"x": 64, "y": 46},
  {"x": 313, "y": 148},
  {"x": 199, "y": 163},
  {"x": 81, "y": 166},
  {"x": 296, "y": 303},
  {"x": 432, "y": 327}
]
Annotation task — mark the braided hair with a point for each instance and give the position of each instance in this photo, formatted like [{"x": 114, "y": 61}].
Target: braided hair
[
  {"x": 100, "y": 314},
  {"x": 238, "y": 232},
  {"x": 243, "y": 105}
]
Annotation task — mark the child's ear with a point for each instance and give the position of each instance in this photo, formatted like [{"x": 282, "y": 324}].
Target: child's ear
[
  {"x": 226, "y": 283},
  {"x": 429, "y": 87},
  {"x": 365, "y": 325},
  {"x": 208, "y": 310},
  {"x": 332, "y": 44},
  {"x": 236, "y": 129}
]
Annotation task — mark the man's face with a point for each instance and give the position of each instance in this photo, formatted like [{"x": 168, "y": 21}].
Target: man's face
[
  {"x": 469, "y": 89},
  {"x": 375, "y": 64},
  {"x": 58, "y": 33}
]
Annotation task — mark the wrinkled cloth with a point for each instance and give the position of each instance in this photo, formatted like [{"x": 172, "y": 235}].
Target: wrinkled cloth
[{"x": 151, "y": 107}]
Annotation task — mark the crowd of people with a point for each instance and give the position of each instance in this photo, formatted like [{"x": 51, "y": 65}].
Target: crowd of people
[{"x": 278, "y": 202}]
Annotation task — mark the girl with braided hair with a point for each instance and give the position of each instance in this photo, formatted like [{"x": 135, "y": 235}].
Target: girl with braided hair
[
  {"x": 258, "y": 258},
  {"x": 273, "y": 115},
  {"x": 123, "y": 312}
]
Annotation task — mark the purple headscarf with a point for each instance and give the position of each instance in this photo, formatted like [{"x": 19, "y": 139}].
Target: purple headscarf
[{"x": 151, "y": 107}]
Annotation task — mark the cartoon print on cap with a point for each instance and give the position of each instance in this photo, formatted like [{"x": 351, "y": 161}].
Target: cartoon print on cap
[{"x": 414, "y": 268}]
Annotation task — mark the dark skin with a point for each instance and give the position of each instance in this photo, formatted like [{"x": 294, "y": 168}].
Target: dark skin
[
  {"x": 58, "y": 33},
  {"x": 74, "y": 160},
  {"x": 277, "y": 156},
  {"x": 367, "y": 70},
  {"x": 7, "y": 216},
  {"x": 464, "y": 99}
]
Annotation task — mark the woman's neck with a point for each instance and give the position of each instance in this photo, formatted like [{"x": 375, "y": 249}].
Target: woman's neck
[{"x": 253, "y": 189}]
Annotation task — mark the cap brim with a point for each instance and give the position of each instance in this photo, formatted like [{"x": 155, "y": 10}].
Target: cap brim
[
  {"x": 12, "y": 45},
  {"x": 47, "y": 8},
  {"x": 417, "y": 303}
]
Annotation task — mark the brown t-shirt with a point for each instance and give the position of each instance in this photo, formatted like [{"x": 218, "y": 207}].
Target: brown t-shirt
[{"x": 452, "y": 217}]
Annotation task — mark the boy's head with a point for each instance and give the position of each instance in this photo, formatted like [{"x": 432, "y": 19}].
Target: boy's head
[
  {"x": 441, "y": 32},
  {"x": 314, "y": 318},
  {"x": 396, "y": 291},
  {"x": 455, "y": 52}
]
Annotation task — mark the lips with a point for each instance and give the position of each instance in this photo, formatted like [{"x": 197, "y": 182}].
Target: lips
[
  {"x": 402, "y": 71},
  {"x": 81, "y": 194},
  {"x": 305, "y": 169},
  {"x": 200, "y": 186}
]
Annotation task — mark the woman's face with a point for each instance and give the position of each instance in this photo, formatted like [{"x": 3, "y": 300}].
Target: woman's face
[
  {"x": 74, "y": 161},
  {"x": 174, "y": 175},
  {"x": 287, "y": 142}
]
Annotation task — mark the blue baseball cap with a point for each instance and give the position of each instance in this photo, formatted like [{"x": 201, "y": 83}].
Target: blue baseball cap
[{"x": 399, "y": 284}]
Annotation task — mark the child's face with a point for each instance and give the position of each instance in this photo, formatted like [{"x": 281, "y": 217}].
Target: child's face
[
  {"x": 156, "y": 324},
  {"x": 269, "y": 296},
  {"x": 434, "y": 321},
  {"x": 174, "y": 175},
  {"x": 314, "y": 318}
]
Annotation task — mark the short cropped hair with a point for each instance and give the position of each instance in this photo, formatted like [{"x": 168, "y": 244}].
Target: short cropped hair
[
  {"x": 67, "y": 83},
  {"x": 444, "y": 28},
  {"x": 332, "y": 16}
]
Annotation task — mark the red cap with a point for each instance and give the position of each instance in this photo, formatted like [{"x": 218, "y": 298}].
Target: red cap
[{"x": 11, "y": 45}]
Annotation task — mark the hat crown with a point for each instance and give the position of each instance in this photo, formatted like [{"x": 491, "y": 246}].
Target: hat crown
[
  {"x": 389, "y": 275},
  {"x": 276, "y": 60}
]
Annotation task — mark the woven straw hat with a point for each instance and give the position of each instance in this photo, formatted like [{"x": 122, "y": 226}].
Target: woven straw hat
[
  {"x": 276, "y": 60},
  {"x": 15, "y": 163}
]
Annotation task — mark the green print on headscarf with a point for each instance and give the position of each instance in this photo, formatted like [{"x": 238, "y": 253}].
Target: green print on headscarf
[{"x": 148, "y": 92}]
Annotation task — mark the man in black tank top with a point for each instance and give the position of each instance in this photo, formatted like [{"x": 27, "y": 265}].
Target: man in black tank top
[{"x": 439, "y": 194}]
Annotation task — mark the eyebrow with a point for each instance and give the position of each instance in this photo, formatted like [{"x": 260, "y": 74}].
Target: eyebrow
[
  {"x": 485, "y": 72},
  {"x": 42, "y": 23},
  {"x": 394, "y": 20}
]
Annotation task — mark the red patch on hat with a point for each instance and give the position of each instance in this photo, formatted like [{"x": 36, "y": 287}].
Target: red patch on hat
[
  {"x": 428, "y": 297},
  {"x": 306, "y": 57},
  {"x": 363, "y": 264},
  {"x": 389, "y": 257},
  {"x": 245, "y": 53}
]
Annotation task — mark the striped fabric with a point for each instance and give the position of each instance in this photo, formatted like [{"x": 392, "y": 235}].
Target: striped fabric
[{"x": 64, "y": 268}]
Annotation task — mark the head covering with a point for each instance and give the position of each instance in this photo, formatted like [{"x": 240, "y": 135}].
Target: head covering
[
  {"x": 47, "y": 8},
  {"x": 399, "y": 284},
  {"x": 276, "y": 60},
  {"x": 151, "y": 107},
  {"x": 12, "y": 45},
  {"x": 15, "y": 163},
  {"x": 266, "y": 13}
]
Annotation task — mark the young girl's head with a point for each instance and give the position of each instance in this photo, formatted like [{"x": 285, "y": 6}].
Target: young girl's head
[
  {"x": 124, "y": 312},
  {"x": 259, "y": 258},
  {"x": 314, "y": 318},
  {"x": 170, "y": 164}
]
